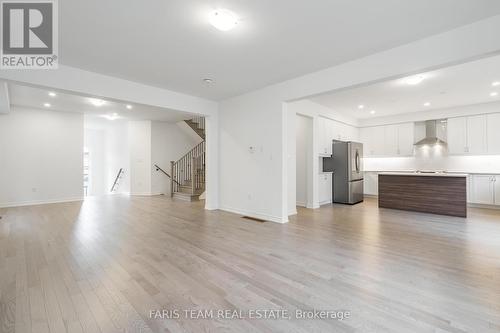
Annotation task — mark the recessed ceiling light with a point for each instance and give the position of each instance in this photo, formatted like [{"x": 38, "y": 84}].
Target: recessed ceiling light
[
  {"x": 47, "y": 105},
  {"x": 427, "y": 104},
  {"x": 223, "y": 19},
  {"x": 97, "y": 102},
  {"x": 494, "y": 94},
  {"x": 372, "y": 112},
  {"x": 115, "y": 114},
  {"x": 496, "y": 84},
  {"x": 361, "y": 106},
  {"x": 414, "y": 80},
  {"x": 128, "y": 106},
  {"x": 52, "y": 94}
]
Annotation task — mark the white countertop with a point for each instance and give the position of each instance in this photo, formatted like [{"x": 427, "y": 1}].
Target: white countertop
[{"x": 423, "y": 174}]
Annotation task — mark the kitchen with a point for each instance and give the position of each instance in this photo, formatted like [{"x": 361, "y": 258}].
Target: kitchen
[{"x": 442, "y": 123}]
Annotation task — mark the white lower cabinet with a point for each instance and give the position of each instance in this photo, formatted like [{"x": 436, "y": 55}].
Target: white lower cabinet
[
  {"x": 371, "y": 183},
  {"x": 325, "y": 188},
  {"x": 485, "y": 189}
]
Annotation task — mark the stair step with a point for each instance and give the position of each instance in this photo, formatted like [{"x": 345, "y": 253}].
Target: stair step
[
  {"x": 186, "y": 196},
  {"x": 187, "y": 189}
]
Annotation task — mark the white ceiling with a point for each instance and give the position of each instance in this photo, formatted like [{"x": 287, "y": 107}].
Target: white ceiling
[
  {"x": 170, "y": 43},
  {"x": 465, "y": 84},
  {"x": 36, "y": 98}
]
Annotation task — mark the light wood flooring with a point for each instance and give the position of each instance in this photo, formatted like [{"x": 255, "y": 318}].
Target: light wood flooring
[{"x": 104, "y": 264}]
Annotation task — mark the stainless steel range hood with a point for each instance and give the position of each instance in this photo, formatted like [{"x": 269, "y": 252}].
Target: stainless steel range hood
[{"x": 431, "y": 133}]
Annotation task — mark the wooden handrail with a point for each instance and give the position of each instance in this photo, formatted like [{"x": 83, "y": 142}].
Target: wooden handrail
[{"x": 163, "y": 171}]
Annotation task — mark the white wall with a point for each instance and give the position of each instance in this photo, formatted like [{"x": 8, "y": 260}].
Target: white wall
[
  {"x": 94, "y": 144},
  {"x": 78, "y": 81},
  {"x": 169, "y": 142},
  {"x": 107, "y": 143},
  {"x": 41, "y": 157},
  {"x": 259, "y": 118},
  {"x": 303, "y": 161},
  {"x": 140, "y": 157}
]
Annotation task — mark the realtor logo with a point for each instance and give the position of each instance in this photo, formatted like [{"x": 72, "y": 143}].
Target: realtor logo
[{"x": 29, "y": 35}]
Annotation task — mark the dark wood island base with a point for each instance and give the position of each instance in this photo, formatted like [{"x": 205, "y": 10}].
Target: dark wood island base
[{"x": 444, "y": 194}]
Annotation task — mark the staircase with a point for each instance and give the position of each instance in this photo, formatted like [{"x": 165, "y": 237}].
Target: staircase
[{"x": 188, "y": 173}]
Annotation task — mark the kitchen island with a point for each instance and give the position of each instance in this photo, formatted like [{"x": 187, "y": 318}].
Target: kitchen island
[{"x": 437, "y": 193}]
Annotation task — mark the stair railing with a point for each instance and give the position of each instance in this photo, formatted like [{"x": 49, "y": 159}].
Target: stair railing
[
  {"x": 120, "y": 173},
  {"x": 189, "y": 170},
  {"x": 200, "y": 121},
  {"x": 164, "y": 172}
]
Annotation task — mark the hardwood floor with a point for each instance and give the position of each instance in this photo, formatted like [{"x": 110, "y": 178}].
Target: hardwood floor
[{"x": 103, "y": 265}]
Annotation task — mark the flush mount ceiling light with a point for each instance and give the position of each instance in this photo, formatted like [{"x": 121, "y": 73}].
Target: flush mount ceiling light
[
  {"x": 223, "y": 19},
  {"x": 495, "y": 84},
  {"x": 427, "y": 104},
  {"x": 208, "y": 81},
  {"x": 372, "y": 112},
  {"x": 47, "y": 105},
  {"x": 97, "y": 102},
  {"x": 414, "y": 80},
  {"x": 494, "y": 94},
  {"x": 52, "y": 94},
  {"x": 361, "y": 106},
  {"x": 128, "y": 106}
]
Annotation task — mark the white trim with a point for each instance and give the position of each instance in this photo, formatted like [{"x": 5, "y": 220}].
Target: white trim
[
  {"x": 276, "y": 219},
  {"x": 146, "y": 194},
  {"x": 301, "y": 204},
  {"x": 312, "y": 206},
  {"x": 483, "y": 206},
  {"x": 39, "y": 202}
]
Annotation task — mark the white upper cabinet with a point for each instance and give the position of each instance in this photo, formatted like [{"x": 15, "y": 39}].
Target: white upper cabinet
[
  {"x": 468, "y": 135},
  {"x": 406, "y": 139},
  {"x": 457, "y": 136},
  {"x": 323, "y": 135},
  {"x": 391, "y": 145},
  {"x": 373, "y": 139},
  {"x": 389, "y": 140},
  {"x": 493, "y": 133},
  {"x": 329, "y": 130},
  {"x": 476, "y": 135}
]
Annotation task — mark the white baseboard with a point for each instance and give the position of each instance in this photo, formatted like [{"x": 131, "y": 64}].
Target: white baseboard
[
  {"x": 301, "y": 204},
  {"x": 38, "y": 202},
  {"x": 145, "y": 194},
  {"x": 312, "y": 206},
  {"x": 276, "y": 219},
  {"x": 475, "y": 205}
]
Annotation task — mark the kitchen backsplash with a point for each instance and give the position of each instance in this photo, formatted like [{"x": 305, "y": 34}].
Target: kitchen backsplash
[{"x": 435, "y": 158}]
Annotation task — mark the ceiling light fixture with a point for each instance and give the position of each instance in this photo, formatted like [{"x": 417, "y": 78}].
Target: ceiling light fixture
[
  {"x": 97, "y": 102},
  {"x": 495, "y": 84},
  {"x": 427, "y": 104},
  {"x": 47, "y": 105},
  {"x": 494, "y": 94},
  {"x": 361, "y": 106},
  {"x": 52, "y": 94},
  {"x": 414, "y": 80},
  {"x": 208, "y": 81},
  {"x": 128, "y": 106},
  {"x": 372, "y": 112},
  {"x": 223, "y": 19}
]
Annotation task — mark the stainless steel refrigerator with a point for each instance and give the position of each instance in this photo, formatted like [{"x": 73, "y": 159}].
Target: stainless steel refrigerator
[{"x": 346, "y": 164}]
